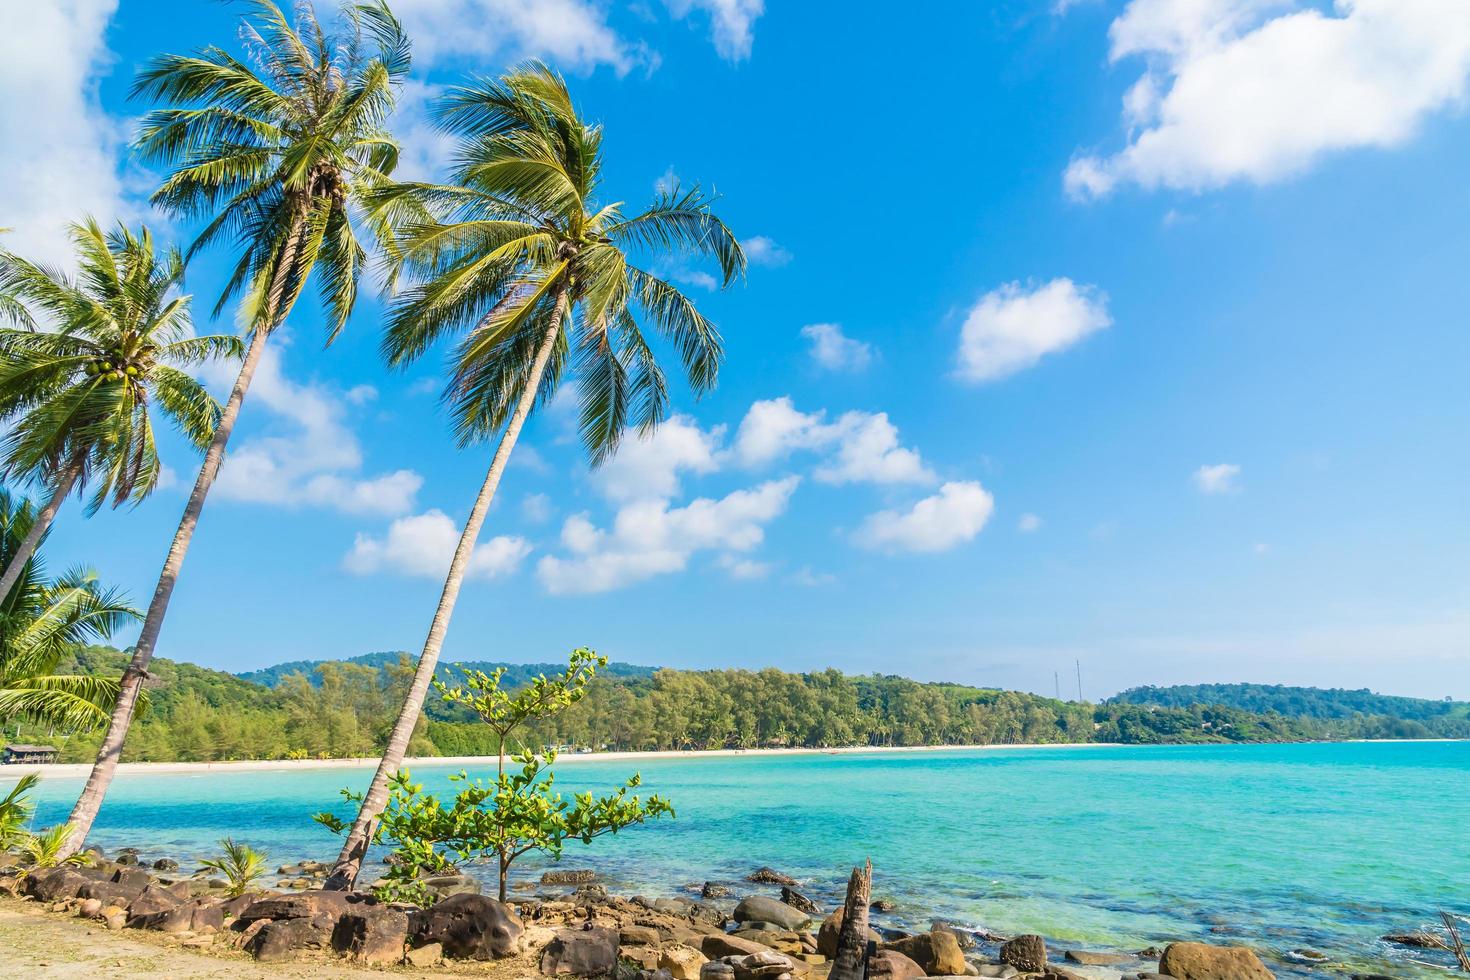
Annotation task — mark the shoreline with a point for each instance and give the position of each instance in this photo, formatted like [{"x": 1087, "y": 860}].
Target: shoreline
[{"x": 81, "y": 769}]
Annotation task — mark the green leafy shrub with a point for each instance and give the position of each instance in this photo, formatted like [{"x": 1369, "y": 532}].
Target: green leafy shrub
[
  {"x": 240, "y": 865},
  {"x": 15, "y": 812}
]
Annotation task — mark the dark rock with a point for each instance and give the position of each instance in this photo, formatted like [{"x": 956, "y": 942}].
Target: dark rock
[
  {"x": 890, "y": 964},
  {"x": 128, "y": 858},
  {"x": 1149, "y": 953},
  {"x": 372, "y": 934},
  {"x": 770, "y": 876},
  {"x": 1086, "y": 958},
  {"x": 280, "y": 940},
  {"x": 581, "y": 953},
  {"x": 54, "y": 884},
  {"x": 195, "y": 915},
  {"x": 829, "y": 931},
  {"x": 590, "y": 895},
  {"x": 1200, "y": 961},
  {"x": 158, "y": 898},
  {"x": 1025, "y": 953},
  {"x": 1418, "y": 940},
  {"x": 717, "y": 970},
  {"x": 469, "y": 927},
  {"x": 759, "y": 908},
  {"x": 569, "y": 877},
  {"x": 447, "y": 886},
  {"x": 883, "y": 905},
  {"x": 321, "y": 908},
  {"x": 937, "y": 952},
  {"x": 964, "y": 938},
  {"x": 765, "y": 965},
  {"x": 714, "y": 890},
  {"x": 790, "y": 896},
  {"x": 165, "y": 864}
]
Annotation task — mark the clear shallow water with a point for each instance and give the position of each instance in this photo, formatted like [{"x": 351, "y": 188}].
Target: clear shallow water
[{"x": 1280, "y": 846}]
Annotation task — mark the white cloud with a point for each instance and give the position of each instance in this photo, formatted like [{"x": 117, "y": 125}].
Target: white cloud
[
  {"x": 951, "y": 517},
  {"x": 317, "y": 461},
  {"x": 426, "y": 149},
  {"x": 537, "y": 508},
  {"x": 649, "y": 538},
  {"x": 572, "y": 33},
  {"x": 864, "y": 446},
  {"x": 744, "y": 569},
  {"x": 760, "y": 250},
  {"x": 423, "y": 545},
  {"x": 1259, "y": 90},
  {"x": 732, "y": 23},
  {"x": 650, "y": 467},
  {"x": 1013, "y": 327},
  {"x": 360, "y": 395},
  {"x": 807, "y": 578},
  {"x": 834, "y": 350},
  {"x": 667, "y": 182},
  {"x": 1218, "y": 478},
  {"x": 61, "y": 149},
  {"x": 1028, "y": 523}
]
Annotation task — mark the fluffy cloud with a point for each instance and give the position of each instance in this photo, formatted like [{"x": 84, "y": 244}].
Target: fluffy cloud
[
  {"x": 951, "y": 517},
  {"x": 834, "y": 350},
  {"x": 61, "y": 149},
  {"x": 864, "y": 447},
  {"x": 571, "y": 33},
  {"x": 423, "y": 545},
  {"x": 732, "y": 22},
  {"x": 1013, "y": 327},
  {"x": 760, "y": 250},
  {"x": 1028, "y": 523},
  {"x": 1259, "y": 90},
  {"x": 650, "y": 467},
  {"x": 1219, "y": 478},
  {"x": 317, "y": 461},
  {"x": 650, "y": 538}
]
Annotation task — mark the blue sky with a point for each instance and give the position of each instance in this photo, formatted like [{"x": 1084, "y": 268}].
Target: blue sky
[{"x": 1122, "y": 332}]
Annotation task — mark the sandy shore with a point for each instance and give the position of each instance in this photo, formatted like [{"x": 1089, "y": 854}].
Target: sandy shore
[{"x": 60, "y": 771}]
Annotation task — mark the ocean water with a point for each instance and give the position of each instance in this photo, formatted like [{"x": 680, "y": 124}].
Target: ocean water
[{"x": 1283, "y": 847}]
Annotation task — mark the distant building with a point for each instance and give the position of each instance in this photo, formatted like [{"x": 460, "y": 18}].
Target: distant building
[{"x": 29, "y": 754}]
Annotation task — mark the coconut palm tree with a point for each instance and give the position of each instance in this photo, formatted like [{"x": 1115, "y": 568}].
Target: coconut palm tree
[
  {"x": 276, "y": 153},
  {"x": 41, "y": 620},
  {"x": 537, "y": 277},
  {"x": 78, "y": 398}
]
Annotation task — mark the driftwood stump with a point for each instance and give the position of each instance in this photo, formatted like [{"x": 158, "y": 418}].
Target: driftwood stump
[
  {"x": 850, "y": 963},
  {"x": 1456, "y": 943}
]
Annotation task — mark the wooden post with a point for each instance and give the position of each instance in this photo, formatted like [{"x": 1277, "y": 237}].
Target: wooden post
[
  {"x": 1456, "y": 943},
  {"x": 851, "y": 960}
]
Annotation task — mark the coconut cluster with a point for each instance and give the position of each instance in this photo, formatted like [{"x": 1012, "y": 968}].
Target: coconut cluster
[{"x": 112, "y": 369}]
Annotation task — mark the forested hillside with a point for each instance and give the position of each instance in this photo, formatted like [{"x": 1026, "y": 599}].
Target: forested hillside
[
  {"x": 345, "y": 708},
  {"x": 1378, "y": 715},
  {"x": 515, "y": 674}
]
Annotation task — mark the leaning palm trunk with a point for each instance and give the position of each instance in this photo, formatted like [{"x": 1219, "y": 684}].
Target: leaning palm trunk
[
  {"x": 349, "y": 862},
  {"x": 65, "y": 480},
  {"x": 275, "y": 307}
]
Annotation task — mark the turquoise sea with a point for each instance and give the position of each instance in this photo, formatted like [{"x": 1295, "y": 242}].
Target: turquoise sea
[{"x": 1323, "y": 846}]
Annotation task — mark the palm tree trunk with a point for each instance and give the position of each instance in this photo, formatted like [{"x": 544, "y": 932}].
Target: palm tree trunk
[
  {"x": 65, "y": 480},
  {"x": 349, "y": 862},
  {"x": 84, "y": 813}
]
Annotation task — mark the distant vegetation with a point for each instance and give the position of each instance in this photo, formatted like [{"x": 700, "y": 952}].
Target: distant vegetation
[
  {"x": 335, "y": 709},
  {"x": 1344, "y": 713},
  {"x": 515, "y": 674}
]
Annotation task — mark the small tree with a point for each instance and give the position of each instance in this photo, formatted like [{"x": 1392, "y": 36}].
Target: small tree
[{"x": 517, "y": 812}]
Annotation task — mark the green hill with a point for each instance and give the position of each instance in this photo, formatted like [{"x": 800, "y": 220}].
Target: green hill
[
  {"x": 1404, "y": 717},
  {"x": 515, "y": 674}
]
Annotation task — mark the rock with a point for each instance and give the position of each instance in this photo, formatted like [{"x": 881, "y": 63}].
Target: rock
[
  {"x": 770, "y": 876},
  {"x": 590, "y": 894},
  {"x": 280, "y": 940},
  {"x": 156, "y": 899},
  {"x": 195, "y": 915},
  {"x": 1060, "y": 973},
  {"x": 965, "y": 939},
  {"x": 997, "y": 971},
  {"x": 636, "y": 935},
  {"x": 469, "y": 927},
  {"x": 781, "y": 940},
  {"x": 372, "y": 934},
  {"x": 1085, "y": 958},
  {"x": 714, "y": 890},
  {"x": 1200, "y": 961},
  {"x": 54, "y": 884},
  {"x": 829, "y": 930},
  {"x": 578, "y": 877},
  {"x": 321, "y": 908},
  {"x": 117, "y": 920},
  {"x": 581, "y": 953},
  {"x": 128, "y": 858},
  {"x": 937, "y": 952},
  {"x": 767, "y": 965},
  {"x": 165, "y": 864},
  {"x": 1418, "y": 940},
  {"x": 790, "y": 896},
  {"x": 89, "y": 908},
  {"x": 447, "y": 886},
  {"x": 759, "y": 908},
  {"x": 1025, "y": 953},
  {"x": 882, "y": 905},
  {"x": 716, "y": 947},
  {"x": 682, "y": 962},
  {"x": 717, "y": 970},
  {"x": 890, "y": 964},
  {"x": 430, "y": 955}
]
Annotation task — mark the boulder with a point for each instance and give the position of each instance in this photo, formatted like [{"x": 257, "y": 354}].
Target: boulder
[
  {"x": 581, "y": 953},
  {"x": 766, "y": 965},
  {"x": 54, "y": 884},
  {"x": 1418, "y": 940},
  {"x": 569, "y": 877},
  {"x": 1026, "y": 953},
  {"x": 157, "y": 898},
  {"x": 964, "y": 938},
  {"x": 712, "y": 889},
  {"x": 830, "y": 929},
  {"x": 720, "y": 946},
  {"x": 281, "y": 940},
  {"x": 636, "y": 935},
  {"x": 770, "y": 876},
  {"x": 165, "y": 864},
  {"x": 890, "y": 964},
  {"x": 372, "y": 934},
  {"x": 194, "y": 915},
  {"x": 682, "y": 962},
  {"x": 321, "y": 908},
  {"x": 883, "y": 905},
  {"x": 90, "y": 908},
  {"x": 1085, "y": 958},
  {"x": 430, "y": 955},
  {"x": 469, "y": 927},
  {"x": 1201, "y": 961},
  {"x": 759, "y": 908},
  {"x": 593, "y": 894},
  {"x": 447, "y": 886},
  {"x": 717, "y": 970},
  {"x": 937, "y": 952},
  {"x": 790, "y": 896}
]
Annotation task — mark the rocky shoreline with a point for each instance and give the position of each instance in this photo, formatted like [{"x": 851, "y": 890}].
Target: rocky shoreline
[{"x": 761, "y": 927}]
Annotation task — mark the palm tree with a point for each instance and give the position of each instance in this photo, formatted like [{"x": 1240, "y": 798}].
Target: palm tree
[
  {"x": 277, "y": 153},
  {"x": 42, "y": 620},
  {"x": 79, "y": 397},
  {"x": 537, "y": 277}
]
